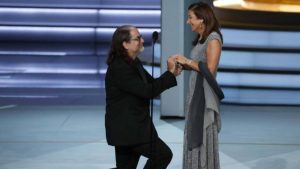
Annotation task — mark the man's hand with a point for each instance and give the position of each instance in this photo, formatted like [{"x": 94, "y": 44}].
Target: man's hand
[
  {"x": 173, "y": 66},
  {"x": 178, "y": 69}
]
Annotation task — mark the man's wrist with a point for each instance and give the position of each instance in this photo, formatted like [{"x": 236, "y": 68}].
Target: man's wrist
[{"x": 173, "y": 72}]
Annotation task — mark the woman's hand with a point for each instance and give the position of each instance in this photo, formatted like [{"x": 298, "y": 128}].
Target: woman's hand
[{"x": 182, "y": 60}]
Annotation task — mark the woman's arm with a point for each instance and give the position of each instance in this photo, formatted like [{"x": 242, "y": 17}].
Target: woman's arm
[
  {"x": 187, "y": 64},
  {"x": 213, "y": 53}
]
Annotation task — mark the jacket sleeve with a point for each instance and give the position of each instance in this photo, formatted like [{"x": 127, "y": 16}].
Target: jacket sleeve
[
  {"x": 127, "y": 79},
  {"x": 148, "y": 77}
]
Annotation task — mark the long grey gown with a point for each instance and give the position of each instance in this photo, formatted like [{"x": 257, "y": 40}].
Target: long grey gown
[{"x": 206, "y": 156}]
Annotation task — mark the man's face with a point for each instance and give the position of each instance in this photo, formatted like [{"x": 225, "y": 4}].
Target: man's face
[{"x": 135, "y": 45}]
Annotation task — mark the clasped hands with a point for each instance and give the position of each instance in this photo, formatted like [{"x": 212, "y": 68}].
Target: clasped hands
[{"x": 176, "y": 63}]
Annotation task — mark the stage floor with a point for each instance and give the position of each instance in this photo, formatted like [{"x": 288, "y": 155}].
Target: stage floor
[{"x": 73, "y": 137}]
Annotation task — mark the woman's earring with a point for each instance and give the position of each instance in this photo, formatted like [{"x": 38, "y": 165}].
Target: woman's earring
[{"x": 202, "y": 25}]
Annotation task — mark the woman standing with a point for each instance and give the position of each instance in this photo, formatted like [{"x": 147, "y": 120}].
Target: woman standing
[{"x": 204, "y": 152}]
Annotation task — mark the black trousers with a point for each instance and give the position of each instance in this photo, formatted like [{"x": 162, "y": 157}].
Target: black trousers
[{"x": 127, "y": 157}]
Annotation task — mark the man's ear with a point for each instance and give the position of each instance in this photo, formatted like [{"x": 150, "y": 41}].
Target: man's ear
[{"x": 125, "y": 45}]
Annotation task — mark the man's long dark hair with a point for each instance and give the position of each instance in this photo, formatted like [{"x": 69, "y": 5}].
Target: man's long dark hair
[
  {"x": 121, "y": 34},
  {"x": 205, "y": 12}
]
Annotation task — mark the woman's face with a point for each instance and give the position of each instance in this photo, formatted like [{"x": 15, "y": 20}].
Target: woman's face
[{"x": 196, "y": 24}]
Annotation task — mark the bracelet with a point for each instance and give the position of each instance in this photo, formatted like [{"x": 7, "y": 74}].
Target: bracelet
[{"x": 189, "y": 61}]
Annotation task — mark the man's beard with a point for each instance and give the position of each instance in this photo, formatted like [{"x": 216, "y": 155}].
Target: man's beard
[{"x": 142, "y": 48}]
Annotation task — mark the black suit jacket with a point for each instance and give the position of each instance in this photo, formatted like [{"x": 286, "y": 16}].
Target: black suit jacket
[{"x": 128, "y": 94}]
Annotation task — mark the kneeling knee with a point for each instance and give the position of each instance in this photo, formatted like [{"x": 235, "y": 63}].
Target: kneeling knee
[{"x": 168, "y": 155}]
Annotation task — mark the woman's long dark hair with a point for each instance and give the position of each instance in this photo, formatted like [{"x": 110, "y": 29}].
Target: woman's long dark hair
[
  {"x": 205, "y": 12},
  {"x": 122, "y": 34}
]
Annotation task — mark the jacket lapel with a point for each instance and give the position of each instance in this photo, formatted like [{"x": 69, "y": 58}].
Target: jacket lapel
[{"x": 137, "y": 65}]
